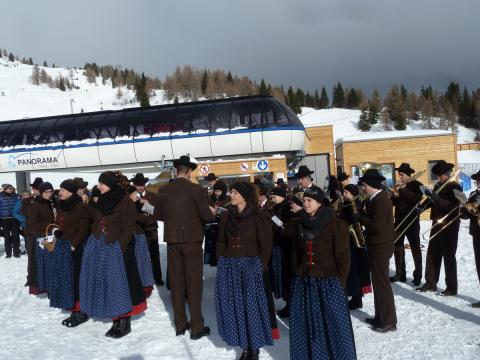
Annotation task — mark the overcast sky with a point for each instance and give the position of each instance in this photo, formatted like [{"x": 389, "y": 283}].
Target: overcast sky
[{"x": 306, "y": 43}]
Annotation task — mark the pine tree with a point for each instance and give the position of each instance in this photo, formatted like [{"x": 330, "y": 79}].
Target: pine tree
[
  {"x": 141, "y": 91},
  {"x": 404, "y": 93},
  {"x": 45, "y": 63},
  {"x": 300, "y": 96},
  {"x": 427, "y": 113},
  {"x": 316, "y": 100},
  {"x": 309, "y": 100},
  {"x": 11, "y": 57},
  {"x": 385, "y": 120},
  {"x": 262, "y": 90},
  {"x": 292, "y": 101},
  {"x": 204, "y": 83},
  {"x": 353, "y": 100},
  {"x": 61, "y": 84},
  {"x": 396, "y": 109},
  {"x": 374, "y": 107},
  {"x": 229, "y": 77},
  {"x": 338, "y": 100},
  {"x": 453, "y": 96},
  {"x": 324, "y": 101},
  {"x": 363, "y": 123},
  {"x": 30, "y": 61}
]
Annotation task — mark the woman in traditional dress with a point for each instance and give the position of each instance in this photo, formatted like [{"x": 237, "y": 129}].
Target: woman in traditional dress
[
  {"x": 320, "y": 325},
  {"x": 243, "y": 249}
]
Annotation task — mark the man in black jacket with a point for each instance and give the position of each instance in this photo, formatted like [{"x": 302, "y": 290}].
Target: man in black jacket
[{"x": 404, "y": 201}]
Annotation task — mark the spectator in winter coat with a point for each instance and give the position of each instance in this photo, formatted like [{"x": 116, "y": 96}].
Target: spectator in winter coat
[{"x": 10, "y": 225}]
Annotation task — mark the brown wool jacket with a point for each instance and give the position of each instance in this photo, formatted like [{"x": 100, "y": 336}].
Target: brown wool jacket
[
  {"x": 149, "y": 221},
  {"x": 26, "y": 209},
  {"x": 255, "y": 240},
  {"x": 120, "y": 225},
  {"x": 331, "y": 252},
  {"x": 75, "y": 223},
  {"x": 183, "y": 208},
  {"x": 40, "y": 215},
  {"x": 378, "y": 221}
]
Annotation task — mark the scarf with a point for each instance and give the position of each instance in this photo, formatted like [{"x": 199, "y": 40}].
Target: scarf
[
  {"x": 238, "y": 222},
  {"x": 109, "y": 200},
  {"x": 67, "y": 205},
  {"x": 311, "y": 226}
]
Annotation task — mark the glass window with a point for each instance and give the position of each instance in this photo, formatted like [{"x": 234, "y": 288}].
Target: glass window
[
  {"x": 156, "y": 121},
  {"x": 257, "y": 113},
  {"x": 183, "y": 121},
  {"x": 388, "y": 171},
  {"x": 241, "y": 111},
  {"x": 274, "y": 113},
  {"x": 220, "y": 115},
  {"x": 200, "y": 118}
]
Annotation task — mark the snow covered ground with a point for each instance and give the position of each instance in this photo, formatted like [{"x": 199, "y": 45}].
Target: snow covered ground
[{"x": 429, "y": 326}]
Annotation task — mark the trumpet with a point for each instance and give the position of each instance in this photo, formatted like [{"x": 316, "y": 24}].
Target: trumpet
[
  {"x": 421, "y": 206},
  {"x": 400, "y": 185}
]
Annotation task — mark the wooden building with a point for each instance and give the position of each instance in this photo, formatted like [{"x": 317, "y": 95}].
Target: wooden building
[{"x": 420, "y": 148}]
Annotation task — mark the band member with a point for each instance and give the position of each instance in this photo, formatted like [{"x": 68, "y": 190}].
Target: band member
[
  {"x": 149, "y": 224},
  {"x": 378, "y": 222},
  {"x": 243, "y": 247},
  {"x": 217, "y": 199},
  {"x": 444, "y": 245},
  {"x": 41, "y": 214},
  {"x": 82, "y": 189},
  {"x": 474, "y": 229},
  {"x": 305, "y": 180},
  {"x": 73, "y": 226},
  {"x": 183, "y": 208},
  {"x": 110, "y": 285},
  {"x": 404, "y": 200},
  {"x": 27, "y": 204},
  {"x": 358, "y": 283},
  {"x": 211, "y": 179},
  {"x": 278, "y": 269},
  {"x": 320, "y": 325},
  {"x": 343, "y": 180}
]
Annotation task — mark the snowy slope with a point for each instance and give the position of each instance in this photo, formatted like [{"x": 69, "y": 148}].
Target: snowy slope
[
  {"x": 19, "y": 98},
  {"x": 429, "y": 326}
]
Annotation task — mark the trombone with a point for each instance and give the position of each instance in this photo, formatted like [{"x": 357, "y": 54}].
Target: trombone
[
  {"x": 472, "y": 208},
  {"x": 400, "y": 185},
  {"x": 421, "y": 206}
]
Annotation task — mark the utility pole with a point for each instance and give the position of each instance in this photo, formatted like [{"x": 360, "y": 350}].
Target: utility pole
[{"x": 71, "y": 105}]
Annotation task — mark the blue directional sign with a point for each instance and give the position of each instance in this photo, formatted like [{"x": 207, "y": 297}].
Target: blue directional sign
[{"x": 262, "y": 165}]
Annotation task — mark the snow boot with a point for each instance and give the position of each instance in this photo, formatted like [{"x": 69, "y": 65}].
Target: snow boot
[
  {"x": 114, "y": 328},
  {"x": 355, "y": 303},
  {"x": 123, "y": 328},
  {"x": 254, "y": 354},
  {"x": 245, "y": 354},
  {"x": 75, "y": 319}
]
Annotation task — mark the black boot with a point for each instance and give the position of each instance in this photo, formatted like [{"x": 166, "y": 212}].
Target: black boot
[
  {"x": 355, "y": 303},
  {"x": 123, "y": 328},
  {"x": 114, "y": 328},
  {"x": 254, "y": 354},
  {"x": 245, "y": 354},
  {"x": 77, "y": 318}
]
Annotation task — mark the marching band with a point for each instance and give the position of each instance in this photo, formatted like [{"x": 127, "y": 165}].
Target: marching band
[{"x": 96, "y": 254}]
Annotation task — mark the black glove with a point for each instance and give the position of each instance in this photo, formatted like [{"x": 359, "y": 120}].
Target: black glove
[
  {"x": 428, "y": 192},
  {"x": 58, "y": 233}
]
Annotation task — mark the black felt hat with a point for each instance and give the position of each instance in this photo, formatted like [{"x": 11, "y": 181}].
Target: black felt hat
[
  {"x": 476, "y": 176},
  {"x": 70, "y": 185},
  {"x": 303, "y": 171},
  {"x": 185, "y": 161},
  {"x": 352, "y": 189},
  {"x": 405, "y": 168},
  {"x": 80, "y": 182},
  {"x": 279, "y": 192},
  {"x": 372, "y": 178},
  {"x": 442, "y": 167},
  {"x": 315, "y": 193},
  {"x": 139, "y": 179},
  {"x": 245, "y": 189},
  {"x": 210, "y": 177},
  {"x": 44, "y": 187}
]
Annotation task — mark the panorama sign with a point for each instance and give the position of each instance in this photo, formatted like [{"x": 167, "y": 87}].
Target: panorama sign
[{"x": 33, "y": 160}]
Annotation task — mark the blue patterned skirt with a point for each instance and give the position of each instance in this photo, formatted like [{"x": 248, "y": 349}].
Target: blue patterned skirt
[
  {"x": 320, "y": 325},
  {"x": 104, "y": 291},
  {"x": 241, "y": 303},
  {"x": 43, "y": 267},
  {"x": 144, "y": 263},
  {"x": 62, "y": 290},
  {"x": 276, "y": 272}
]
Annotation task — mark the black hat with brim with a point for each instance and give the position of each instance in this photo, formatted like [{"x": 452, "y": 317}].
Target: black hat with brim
[
  {"x": 139, "y": 179},
  {"x": 352, "y": 189},
  {"x": 476, "y": 176},
  {"x": 185, "y": 161},
  {"x": 442, "y": 167},
  {"x": 405, "y": 168},
  {"x": 210, "y": 177},
  {"x": 81, "y": 183},
  {"x": 372, "y": 178},
  {"x": 303, "y": 171}
]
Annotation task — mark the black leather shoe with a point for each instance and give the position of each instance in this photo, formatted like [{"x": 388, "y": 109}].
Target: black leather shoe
[
  {"x": 182, "y": 331},
  {"x": 384, "y": 329},
  {"x": 254, "y": 354},
  {"x": 355, "y": 303},
  {"x": 113, "y": 329},
  {"x": 123, "y": 328},
  {"x": 426, "y": 287},
  {"x": 245, "y": 355},
  {"x": 370, "y": 321},
  {"x": 448, "y": 292},
  {"x": 476, "y": 305},
  {"x": 159, "y": 282},
  {"x": 416, "y": 282},
  {"x": 204, "y": 332}
]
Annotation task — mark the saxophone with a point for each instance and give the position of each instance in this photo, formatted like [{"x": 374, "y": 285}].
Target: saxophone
[{"x": 356, "y": 230}]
